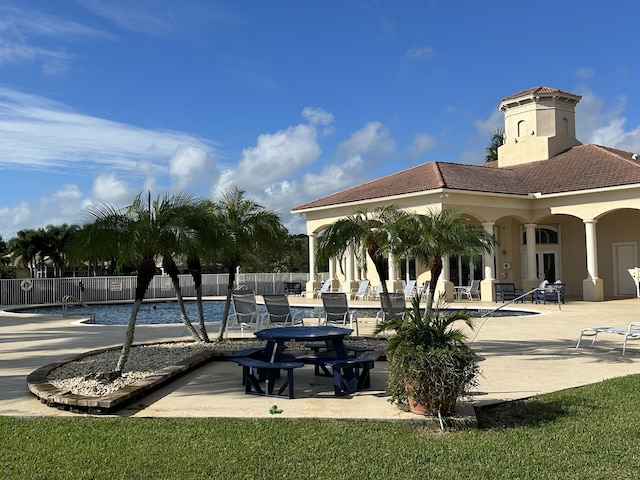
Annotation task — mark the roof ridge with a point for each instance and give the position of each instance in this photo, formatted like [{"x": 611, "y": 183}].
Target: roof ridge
[{"x": 608, "y": 151}]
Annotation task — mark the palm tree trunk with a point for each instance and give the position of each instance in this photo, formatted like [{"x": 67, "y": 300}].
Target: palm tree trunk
[
  {"x": 146, "y": 270},
  {"x": 195, "y": 267},
  {"x": 382, "y": 275},
  {"x": 233, "y": 264},
  {"x": 435, "y": 269},
  {"x": 128, "y": 338},
  {"x": 172, "y": 270}
]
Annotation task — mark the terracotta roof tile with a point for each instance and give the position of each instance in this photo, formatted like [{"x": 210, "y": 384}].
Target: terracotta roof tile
[
  {"x": 580, "y": 168},
  {"x": 537, "y": 90}
]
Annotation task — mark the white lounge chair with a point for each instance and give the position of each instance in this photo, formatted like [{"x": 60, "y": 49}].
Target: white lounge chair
[
  {"x": 471, "y": 291},
  {"x": 361, "y": 292},
  {"x": 631, "y": 332},
  {"x": 326, "y": 287},
  {"x": 409, "y": 289}
]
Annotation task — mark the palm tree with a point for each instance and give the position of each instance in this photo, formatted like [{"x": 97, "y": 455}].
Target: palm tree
[
  {"x": 376, "y": 234},
  {"x": 136, "y": 235},
  {"x": 430, "y": 237},
  {"x": 23, "y": 249},
  {"x": 248, "y": 229},
  {"x": 497, "y": 140}
]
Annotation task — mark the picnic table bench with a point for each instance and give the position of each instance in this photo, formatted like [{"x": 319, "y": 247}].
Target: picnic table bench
[
  {"x": 353, "y": 374},
  {"x": 253, "y": 371}
]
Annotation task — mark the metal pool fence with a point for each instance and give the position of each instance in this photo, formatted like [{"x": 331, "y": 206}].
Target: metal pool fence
[{"x": 32, "y": 291}]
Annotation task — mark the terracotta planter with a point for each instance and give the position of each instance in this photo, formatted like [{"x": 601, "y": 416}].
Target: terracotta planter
[{"x": 448, "y": 407}]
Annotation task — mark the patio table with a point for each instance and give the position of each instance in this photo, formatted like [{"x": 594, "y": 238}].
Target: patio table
[{"x": 276, "y": 338}]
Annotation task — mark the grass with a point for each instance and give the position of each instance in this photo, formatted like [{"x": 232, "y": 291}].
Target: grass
[{"x": 590, "y": 432}]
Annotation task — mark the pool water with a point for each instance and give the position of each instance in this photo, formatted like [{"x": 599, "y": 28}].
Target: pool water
[{"x": 167, "y": 312}]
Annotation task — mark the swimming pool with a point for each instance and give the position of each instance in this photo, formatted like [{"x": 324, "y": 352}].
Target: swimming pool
[{"x": 167, "y": 312}]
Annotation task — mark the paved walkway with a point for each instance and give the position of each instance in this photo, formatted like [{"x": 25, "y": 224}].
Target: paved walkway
[{"x": 519, "y": 357}]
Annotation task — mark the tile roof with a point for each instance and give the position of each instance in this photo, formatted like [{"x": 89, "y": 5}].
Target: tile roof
[
  {"x": 580, "y": 168},
  {"x": 540, "y": 90}
]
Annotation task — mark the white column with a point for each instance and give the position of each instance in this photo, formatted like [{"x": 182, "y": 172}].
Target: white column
[
  {"x": 489, "y": 271},
  {"x": 592, "y": 286},
  {"x": 392, "y": 268},
  {"x": 530, "y": 232},
  {"x": 592, "y": 248},
  {"x": 350, "y": 264},
  {"x": 486, "y": 285},
  {"x": 312, "y": 257}
]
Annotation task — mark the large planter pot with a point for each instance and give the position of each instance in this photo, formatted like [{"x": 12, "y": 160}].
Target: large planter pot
[{"x": 444, "y": 407}]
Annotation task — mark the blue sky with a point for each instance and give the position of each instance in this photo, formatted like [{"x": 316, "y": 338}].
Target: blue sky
[{"x": 290, "y": 100}]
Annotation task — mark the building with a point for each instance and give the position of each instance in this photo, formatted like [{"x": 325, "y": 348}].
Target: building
[{"x": 559, "y": 209}]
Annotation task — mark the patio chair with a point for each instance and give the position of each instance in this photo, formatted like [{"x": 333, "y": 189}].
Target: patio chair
[
  {"x": 552, "y": 291},
  {"x": 373, "y": 293},
  {"x": 279, "y": 312},
  {"x": 471, "y": 292},
  {"x": 409, "y": 289},
  {"x": 361, "y": 292},
  {"x": 246, "y": 313},
  {"x": 398, "y": 307},
  {"x": 326, "y": 287},
  {"x": 336, "y": 311},
  {"x": 631, "y": 332}
]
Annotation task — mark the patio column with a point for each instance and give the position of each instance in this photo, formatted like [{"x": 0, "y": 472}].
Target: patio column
[
  {"x": 592, "y": 286},
  {"x": 486, "y": 285},
  {"x": 444, "y": 287},
  {"x": 313, "y": 284},
  {"x": 393, "y": 283},
  {"x": 350, "y": 284},
  {"x": 531, "y": 281}
]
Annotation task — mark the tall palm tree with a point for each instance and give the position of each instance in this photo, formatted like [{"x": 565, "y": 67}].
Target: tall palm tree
[
  {"x": 23, "y": 249},
  {"x": 376, "y": 234},
  {"x": 248, "y": 229},
  {"x": 136, "y": 235},
  {"x": 447, "y": 232}
]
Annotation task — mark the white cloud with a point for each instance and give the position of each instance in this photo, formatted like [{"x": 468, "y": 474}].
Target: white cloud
[
  {"x": 317, "y": 116},
  {"x": 191, "y": 165},
  {"x": 585, "y": 73},
  {"x": 602, "y": 125},
  {"x": 373, "y": 142},
  {"x": 13, "y": 219},
  {"x": 275, "y": 157},
  {"x": 44, "y": 133},
  {"x": 110, "y": 189},
  {"x": 422, "y": 143}
]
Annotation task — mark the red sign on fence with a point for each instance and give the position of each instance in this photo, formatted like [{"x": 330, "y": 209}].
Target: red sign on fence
[{"x": 116, "y": 287}]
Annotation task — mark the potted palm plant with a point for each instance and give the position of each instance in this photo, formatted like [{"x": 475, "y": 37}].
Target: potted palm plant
[{"x": 430, "y": 364}]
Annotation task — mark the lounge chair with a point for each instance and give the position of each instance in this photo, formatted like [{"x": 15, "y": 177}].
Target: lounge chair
[
  {"x": 471, "y": 292},
  {"x": 246, "y": 312},
  {"x": 361, "y": 292},
  {"x": 326, "y": 287},
  {"x": 398, "y": 307},
  {"x": 279, "y": 312},
  {"x": 631, "y": 332},
  {"x": 409, "y": 290},
  {"x": 336, "y": 311}
]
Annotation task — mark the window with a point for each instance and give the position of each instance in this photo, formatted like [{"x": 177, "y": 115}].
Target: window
[{"x": 545, "y": 235}]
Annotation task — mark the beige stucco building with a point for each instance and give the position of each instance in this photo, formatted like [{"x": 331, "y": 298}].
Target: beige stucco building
[{"x": 559, "y": 209}]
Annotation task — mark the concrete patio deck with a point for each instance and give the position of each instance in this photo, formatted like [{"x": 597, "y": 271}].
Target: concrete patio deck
[{"x": 519, "y": 357}]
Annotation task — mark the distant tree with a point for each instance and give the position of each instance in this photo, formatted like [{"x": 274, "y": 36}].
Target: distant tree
[{"x": 497, "y": 140}]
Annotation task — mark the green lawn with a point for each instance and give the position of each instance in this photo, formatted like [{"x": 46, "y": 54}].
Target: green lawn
[{"x": 591, "y": 432}]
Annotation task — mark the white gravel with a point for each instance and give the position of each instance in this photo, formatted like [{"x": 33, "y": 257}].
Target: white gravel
[{"x": 89, "y": 376}]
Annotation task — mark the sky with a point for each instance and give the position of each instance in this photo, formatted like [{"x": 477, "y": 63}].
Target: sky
[{"x": 290, "y": 100}]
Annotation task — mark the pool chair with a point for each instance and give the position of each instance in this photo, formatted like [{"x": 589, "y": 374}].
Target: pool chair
[
  {"x": 409, "y": 289},
  {"x": 631, "y": 332},
  {"x": 361, "y": 292},
  {"x": 326, "y": 287},
  {"x": 398, "y": 307},
  {"x": 246, "y": 313},
  {"x": 279, "y": 312},
  {"x": 336, "y": 311}
]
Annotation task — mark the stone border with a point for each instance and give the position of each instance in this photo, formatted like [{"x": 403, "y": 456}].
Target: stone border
[{"x": 39, "y": 385}]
